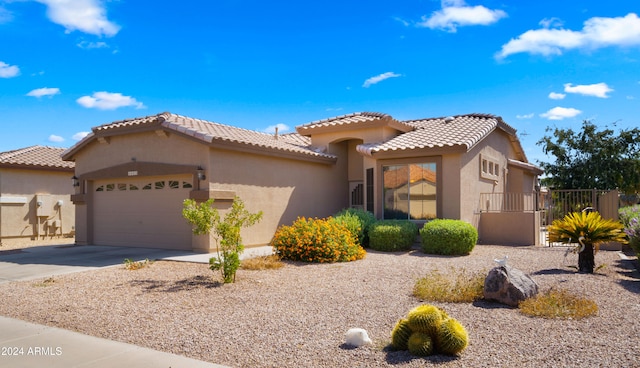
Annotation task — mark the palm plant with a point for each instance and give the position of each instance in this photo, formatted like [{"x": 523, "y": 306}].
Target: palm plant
[{"x": 590, "y": 230}]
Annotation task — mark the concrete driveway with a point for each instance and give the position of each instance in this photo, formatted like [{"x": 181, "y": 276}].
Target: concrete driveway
[{"x": 46, "y": 261}]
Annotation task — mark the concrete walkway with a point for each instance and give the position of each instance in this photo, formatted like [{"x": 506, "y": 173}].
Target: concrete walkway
[
  {"x": 24, "y": 344},
  {"x": 28, "y": 345}
]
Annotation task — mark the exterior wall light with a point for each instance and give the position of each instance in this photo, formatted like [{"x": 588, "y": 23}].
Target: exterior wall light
[
  {"x": 74, "y": 181},
  {"x": 200, "y": 174}
]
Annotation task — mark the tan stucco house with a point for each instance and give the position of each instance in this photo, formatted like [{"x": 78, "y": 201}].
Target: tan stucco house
[
  {"x": 35, "y": 189},
  {"x": 134, "y": 174}
]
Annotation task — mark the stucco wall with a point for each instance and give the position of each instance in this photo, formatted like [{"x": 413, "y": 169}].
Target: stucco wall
[
  {"x": 282, "y": 189},
  {"x": 493, "y": 147},
  {"x": 143, "y": 147},
  {"x": 20, "y": 215},
  {"x": 510, "y": 228}
]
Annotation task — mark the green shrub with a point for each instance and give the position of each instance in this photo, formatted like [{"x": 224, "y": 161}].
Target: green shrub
[
  {"x": 205, "y": 219},
  {"x": 630, "y": 217},
  {"x": 365, "y": 218},
  {"x": 316, "y": 240},
  {"x": 392, "y": 235},
  {"x": 448, "y": 237}
]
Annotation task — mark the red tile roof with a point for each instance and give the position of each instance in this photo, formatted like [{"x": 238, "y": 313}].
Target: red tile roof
[
  {"x": 36, "y": 157},
  {"x": 461, "y": 132},
  {"x": 209, "y": 132},
  {"x": 352, "y": 121}
]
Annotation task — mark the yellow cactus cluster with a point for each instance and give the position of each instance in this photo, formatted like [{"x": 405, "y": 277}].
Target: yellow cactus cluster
[{"x": 428, "y": 330}]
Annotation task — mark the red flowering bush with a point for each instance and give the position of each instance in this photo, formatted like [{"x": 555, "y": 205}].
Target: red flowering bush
[{"x": 316, "y": 240}]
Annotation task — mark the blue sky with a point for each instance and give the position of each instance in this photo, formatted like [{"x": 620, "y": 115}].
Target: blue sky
[{"x": 69, "y": 65}]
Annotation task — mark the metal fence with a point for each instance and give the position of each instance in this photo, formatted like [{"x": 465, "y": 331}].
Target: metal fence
[
  {"x": 553, "y": 204},
  {"x": 559, "y": 203},
  {"x": 508, "y": 202}
]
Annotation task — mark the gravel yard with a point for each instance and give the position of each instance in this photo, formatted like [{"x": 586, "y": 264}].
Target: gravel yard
[{"x": 297, "y": 316}]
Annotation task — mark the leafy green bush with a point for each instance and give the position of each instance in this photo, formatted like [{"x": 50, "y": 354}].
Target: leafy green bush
[
  {"x": 364, "y": 218},
  {"x": 630, "y": 217},
  {"x": 204, "y": 219},
  {"x": 448, "y": 237},
  {"x": 392, "y": 235},
  {"x": 316, "y": 240}
]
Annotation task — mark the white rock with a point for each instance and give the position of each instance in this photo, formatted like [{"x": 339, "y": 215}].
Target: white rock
[{"x": 357, "y": 337}]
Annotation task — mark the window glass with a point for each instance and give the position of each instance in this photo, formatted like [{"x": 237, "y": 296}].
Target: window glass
[
  {"x": 122, "y": 186},
  {"x": 133, "y": 187},
  {"x": 174, "y": 184},
  {"x": 159, "y": 185},
  {"x": 100, "y": 188},
  {"x": 147, "y": 187},
  {"x": 186, "y": 185},
  {"x": 409, "y": 191},
  {"x": 110, "y": 187}
]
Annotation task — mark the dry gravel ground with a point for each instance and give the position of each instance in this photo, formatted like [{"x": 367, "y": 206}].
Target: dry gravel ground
[{"x": 297, "y": 316}]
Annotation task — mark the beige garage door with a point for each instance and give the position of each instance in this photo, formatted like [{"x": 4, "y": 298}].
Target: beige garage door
[{"x": 141, "y": 212}]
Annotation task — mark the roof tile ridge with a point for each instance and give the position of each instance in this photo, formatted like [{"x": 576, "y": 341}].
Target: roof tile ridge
[
  {"x": 123, "y": 121},
  {"x": 17, "y": 152},
  {"x": 213, "y": 123}
]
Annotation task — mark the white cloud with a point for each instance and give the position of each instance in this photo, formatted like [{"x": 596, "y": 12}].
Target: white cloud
[
  {"x": 596, "y": 90},
  {"x": 108, "y": 101},
  {"x": 597, "y": 33},
  {"x": 559, "y": 113},
  {"x": 78, "y": 136},
  {"x": 8, "y": 71},
  {"x": 551, "y": 22},
  {"x": 456, "y": 13},
  {"x": 55, "y": 138},
  {"x": 39, "y": 92},
  {"x": 88, "y": 16},
  {"x": 5, "y": 15},
  {"x": 379, "y": 78},
  {"x": 92, "y": 45},
  {"x": 556, "y": 96},
  {"x": 282, "y": 128},
  {"x": 402, "y": 21},
  {"x": 526, "y": 116}
]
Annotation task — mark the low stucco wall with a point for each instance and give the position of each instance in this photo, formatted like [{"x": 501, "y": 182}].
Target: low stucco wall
[{"x": 509, "y": 228}]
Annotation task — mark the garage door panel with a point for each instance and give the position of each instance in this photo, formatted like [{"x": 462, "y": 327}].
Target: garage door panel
[{"x": 141, "y": 217}]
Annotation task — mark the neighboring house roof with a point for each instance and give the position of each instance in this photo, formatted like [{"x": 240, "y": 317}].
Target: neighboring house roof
[
  {"x": 207, "y": 132},
  {"x": 36, "y": 157},
  {"x": 460, "y": 132}
]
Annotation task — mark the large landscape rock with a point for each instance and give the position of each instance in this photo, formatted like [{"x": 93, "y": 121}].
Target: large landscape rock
[{"x": 509, "y": 286}]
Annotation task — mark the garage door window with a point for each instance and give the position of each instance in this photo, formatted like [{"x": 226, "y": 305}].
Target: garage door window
[{"x": 158, "y": 185}]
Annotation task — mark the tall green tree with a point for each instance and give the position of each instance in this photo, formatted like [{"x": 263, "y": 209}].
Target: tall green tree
[{"x": 592, "y": 158}]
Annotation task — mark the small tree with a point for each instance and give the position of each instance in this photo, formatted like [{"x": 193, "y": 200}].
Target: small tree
[
  {"x": 204, "y": 218},
  {"x": 588, "y": 229},
  {"x": 592, "y": 158}
]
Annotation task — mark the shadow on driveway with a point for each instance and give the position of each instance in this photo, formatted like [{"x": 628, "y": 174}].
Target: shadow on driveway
[{"x": 47, "y": 261}]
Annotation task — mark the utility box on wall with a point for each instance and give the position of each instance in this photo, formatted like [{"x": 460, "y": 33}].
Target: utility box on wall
[{"x": 44, "y": 205}]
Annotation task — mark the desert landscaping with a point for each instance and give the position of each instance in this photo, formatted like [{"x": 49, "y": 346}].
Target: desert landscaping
[{"x": 298, "y": 315}]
